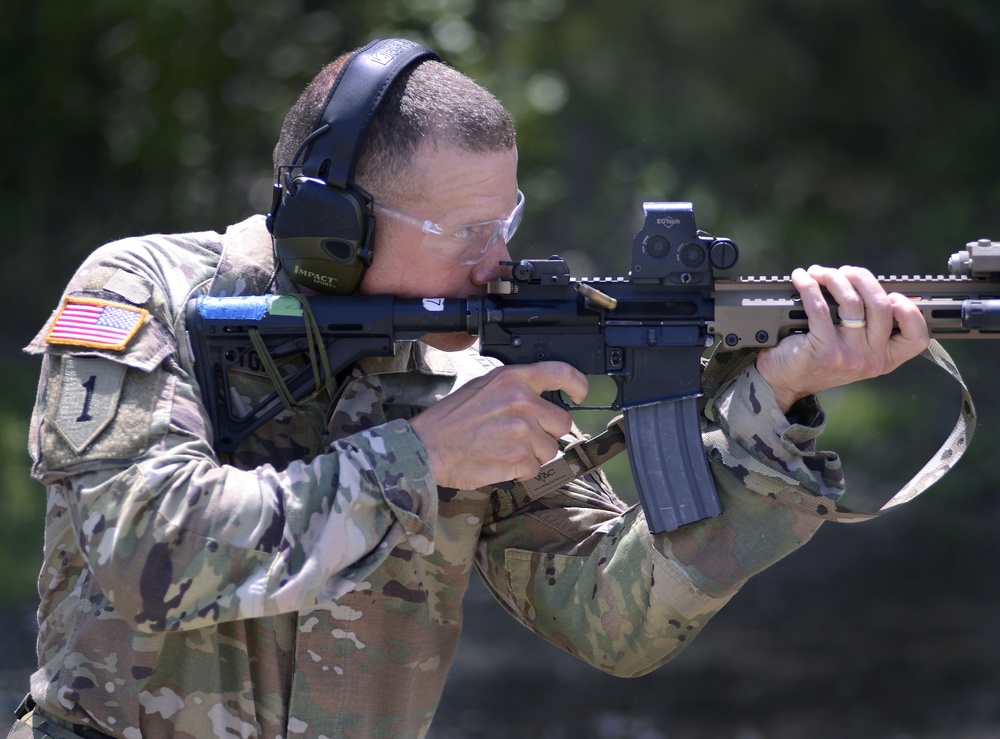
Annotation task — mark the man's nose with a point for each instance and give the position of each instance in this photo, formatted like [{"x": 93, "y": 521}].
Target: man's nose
[{"x": 488, "y": 268}]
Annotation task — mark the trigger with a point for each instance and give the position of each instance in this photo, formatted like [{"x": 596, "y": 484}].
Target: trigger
[{"x": 556, "y": 396}]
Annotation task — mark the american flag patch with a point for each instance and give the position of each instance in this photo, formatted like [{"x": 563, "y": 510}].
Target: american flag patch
[{"x": 95, "y": 323}]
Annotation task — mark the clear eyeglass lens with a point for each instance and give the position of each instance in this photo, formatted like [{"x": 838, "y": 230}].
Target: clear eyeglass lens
[{"x": 467, "y": 243}]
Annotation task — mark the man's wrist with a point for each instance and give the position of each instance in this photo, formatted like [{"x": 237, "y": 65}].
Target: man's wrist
[{"x": 785, "y": 399}]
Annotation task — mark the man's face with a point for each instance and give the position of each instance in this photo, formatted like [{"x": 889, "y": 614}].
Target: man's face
[{"x": 450, "y": 186}]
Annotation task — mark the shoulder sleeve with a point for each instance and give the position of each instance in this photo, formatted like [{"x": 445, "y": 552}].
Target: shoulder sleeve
[{"x": 174, "y": 538}]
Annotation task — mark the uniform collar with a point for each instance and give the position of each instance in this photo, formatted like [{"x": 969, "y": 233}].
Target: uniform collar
[{"x": 246, "y": 266}]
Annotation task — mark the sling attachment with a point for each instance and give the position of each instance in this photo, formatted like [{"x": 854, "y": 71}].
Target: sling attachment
[{"x": 316, "y": 352}]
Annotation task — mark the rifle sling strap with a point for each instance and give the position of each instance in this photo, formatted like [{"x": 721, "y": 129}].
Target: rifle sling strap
[
  {"x": 578, "y": 459},
  {"x": 584, "y": 456},
  {"x": 318, "y": 361},
  {"x": 943, "y": 460}
]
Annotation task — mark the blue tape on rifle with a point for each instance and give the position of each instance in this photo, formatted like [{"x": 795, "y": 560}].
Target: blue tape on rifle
[{"x": 245, "y": 308}]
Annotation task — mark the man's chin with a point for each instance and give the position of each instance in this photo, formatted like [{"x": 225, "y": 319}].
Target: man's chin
[{"x": 449, "y": 342}]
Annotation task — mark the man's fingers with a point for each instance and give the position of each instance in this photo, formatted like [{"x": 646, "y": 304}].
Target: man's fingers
[
  {"x": 814, "y": 302},
  {"x": 877, "y": 306},
  {"x": 551, "y": 420},
  {"x": 546, "y": 377},
  {"x": 863, "y": 345},
  {"x": 841, "y": 286},
  {"x": 498, "y": 426},
  {"x": 864, "y": 309},
  {"x": 913, "y": 335}
]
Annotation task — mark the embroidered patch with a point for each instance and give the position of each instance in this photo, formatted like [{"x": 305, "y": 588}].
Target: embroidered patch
[
  {"x": 95, "y": 323},
  {"x": 88, "y": 398},
  {"x": 131, "y": 287}
]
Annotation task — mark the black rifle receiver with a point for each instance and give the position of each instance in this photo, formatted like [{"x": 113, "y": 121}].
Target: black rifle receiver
[{"x": 648, "y": 333}]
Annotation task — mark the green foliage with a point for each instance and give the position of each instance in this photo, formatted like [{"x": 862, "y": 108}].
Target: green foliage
[
  {"x": 23, "y": 500},
  {"x": 808, "y": 131}
]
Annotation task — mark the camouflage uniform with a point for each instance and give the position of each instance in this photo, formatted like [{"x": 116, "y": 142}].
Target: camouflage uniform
[{"x": 311, "y": 584}]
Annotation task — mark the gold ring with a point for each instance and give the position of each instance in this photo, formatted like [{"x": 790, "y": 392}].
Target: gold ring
[{"x": 853, "y": 322}]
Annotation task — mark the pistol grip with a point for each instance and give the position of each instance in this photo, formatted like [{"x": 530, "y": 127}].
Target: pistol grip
[{"x": 668, "y": 461}]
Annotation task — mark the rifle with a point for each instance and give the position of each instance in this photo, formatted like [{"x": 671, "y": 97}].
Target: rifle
[{"x": 648, "y": 332}]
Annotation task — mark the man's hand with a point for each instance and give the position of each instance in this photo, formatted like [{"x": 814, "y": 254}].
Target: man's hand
[
  {"x": 861, "y": 347},
  {"x": 497, "y": 427}
]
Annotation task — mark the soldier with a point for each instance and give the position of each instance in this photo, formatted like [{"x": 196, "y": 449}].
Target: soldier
[{"x": 310, "y": 583}]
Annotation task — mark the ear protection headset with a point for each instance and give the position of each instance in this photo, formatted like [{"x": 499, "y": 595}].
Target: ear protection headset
[{"x": 322, "y": 223}]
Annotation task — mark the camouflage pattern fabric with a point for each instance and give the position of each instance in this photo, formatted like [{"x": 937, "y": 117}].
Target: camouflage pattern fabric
[
  {"x": 34, "y": 724},
  {"x": 310, "y": 584},
  {"x": 31, "y": 721}
]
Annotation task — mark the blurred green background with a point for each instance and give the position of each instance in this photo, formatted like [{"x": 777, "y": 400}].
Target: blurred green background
[{"x": 808, "y": 131}]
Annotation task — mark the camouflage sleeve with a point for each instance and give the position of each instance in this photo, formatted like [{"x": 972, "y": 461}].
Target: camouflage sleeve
[
  {"x": 176, "y": 539},
  {"x": 582, "y": 570},
  {"x": 771, "y": 450}
]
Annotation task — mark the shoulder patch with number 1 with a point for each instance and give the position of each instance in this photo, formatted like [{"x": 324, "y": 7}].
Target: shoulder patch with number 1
[
  {"x": 88, "y": 398},
  {"x": 99, "y": 324}
]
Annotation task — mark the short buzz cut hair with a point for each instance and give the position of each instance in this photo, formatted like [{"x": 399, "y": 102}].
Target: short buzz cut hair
[{"x": 429, "y": 103}]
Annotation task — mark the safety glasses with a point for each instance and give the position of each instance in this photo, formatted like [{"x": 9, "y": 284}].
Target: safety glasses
[{"x": 466, "y": 243}]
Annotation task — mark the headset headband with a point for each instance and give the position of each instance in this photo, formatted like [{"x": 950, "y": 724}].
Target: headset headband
[{"x": 333, "y": 156}]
